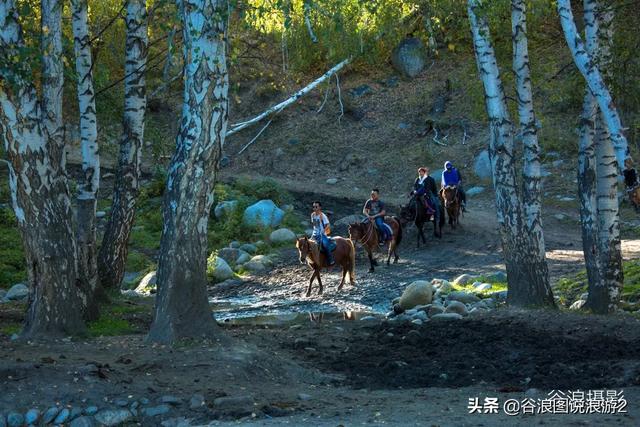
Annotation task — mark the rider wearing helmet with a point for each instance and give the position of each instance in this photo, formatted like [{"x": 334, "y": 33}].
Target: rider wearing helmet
[{"x": 451, "y": 176}]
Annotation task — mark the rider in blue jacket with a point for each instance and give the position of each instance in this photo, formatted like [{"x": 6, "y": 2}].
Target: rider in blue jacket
[{"x": 451, "y": 176}]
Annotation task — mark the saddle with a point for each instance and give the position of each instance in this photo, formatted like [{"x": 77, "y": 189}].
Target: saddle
[{"x": 331, "y": 244}]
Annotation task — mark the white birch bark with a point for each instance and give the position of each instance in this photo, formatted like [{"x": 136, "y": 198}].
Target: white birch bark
[
  {"x": 40, "y": 194},
  {"x": 114, "y": 249},
  {"x": 525, "y": 267},
  {"x": 89, "y": 182},
  {"x": 589, "y": 70},
  {"x": 182, "y": 309},
  {"x": 604, "y": 294}
]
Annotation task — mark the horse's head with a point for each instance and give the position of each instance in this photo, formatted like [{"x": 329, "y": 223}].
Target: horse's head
[
  {"x": 449, "y": 194},
  {"x": 356, "y": 231},
  {"x": 302, "y": 244},
  {"x": 408, "y": 212}
]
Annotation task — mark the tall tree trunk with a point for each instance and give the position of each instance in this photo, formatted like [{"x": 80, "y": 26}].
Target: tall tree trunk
[
  {"x": 589, "y": 69},
  {"x": 89, "y": 182},
  {"x": 604, "y": 294},
  {"x": 525, "y": 267},
  {"x": 531, "y": 194},
  {"x": 182, "y": 309},
  {"x": 114, "y": 250},
  {"x": 39, "y": 189}
]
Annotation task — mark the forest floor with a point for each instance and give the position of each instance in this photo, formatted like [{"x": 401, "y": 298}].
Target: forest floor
[{"x": 313, "y": 369}]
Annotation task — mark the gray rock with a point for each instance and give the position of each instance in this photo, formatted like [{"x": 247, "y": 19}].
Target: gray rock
[
  {"x": 233, "y": 402},
  {"x": 482, "y": 165},
  {"x": 225, "y": 161},
  {"x": 293, "y": 141},
  {"x": 419, "y": 292},
  {"x": 249, "y": 248},
  {"x": 17, "y": 292},
  {"x": 417, "y": 322},
  {"x": 560, "y": 217},
  {"x": 456, "y": 307},
  {"x": 264, "y": 213},
  {"x": 413, "y": 337},
  {"x": 130, "y": 277},
  {"x": 176, "y": 422},
  {"x": 483, "y": 286},
  {"x": 154, "y": 411},
  {"x": 446, "y": 316},
  {"x": 463, "y": 297},
  {"x": 31, "y": 416},
  {"x": 2, "y": 293},
  {"x": 360, "y": 91},
  {"x": 473, "y": 191},
  {"x": 230, "y": 255},
  {"x": 62, "y": 417},
  {"x": 404, "y": 126},
  {"x": 234, "y": 244},
  {"x": 500, "y": 296},
  {"x": 243, "y": 257},
  {"x": 100, "y": 214},
  {"x": 15, "y": 419},
  {"x": 409, "y": 57},
  {"x": 75, "y": 413},
  {"x": 304, "y": 396},
  {"x": 489, "y": 303},
  {"x": 121, "y": 402},
  {"x": 197, "y": 401},
  {"x": 421, "y": 315},
  {"x": 498, "y": 276},
  {"x": 50, "y": 414},
  {"x": 144, "y": 401},
  {"x": 83, "y": 422},
  {"x": 112, "y": 417},
  {"x": 219, "y": 269},
  {"x": 282, "y": 235},
  {"x": 435, "y": 309},
  {"x": 171, "y": 400},
  {"x": 225, "y": 209},
  {"x": 332, "y": 181},
  {"x": 463, "y": 279},
  {"x": 350, "y": 219},
  {"x": 368, "y": 319},
  {"x": 578, "y": 304}
]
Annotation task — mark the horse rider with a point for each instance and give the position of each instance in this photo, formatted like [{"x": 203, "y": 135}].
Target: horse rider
[
  {"x": 630, "y": 180},
  {"x": 451, "y": 176},
  {"x": 425, "y": 187},
  {"x": 321, "y": 228},
  {"x": 375, "y": 211}
]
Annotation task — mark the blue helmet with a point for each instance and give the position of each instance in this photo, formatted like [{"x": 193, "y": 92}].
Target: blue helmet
[{"x": 448, "y": 165}]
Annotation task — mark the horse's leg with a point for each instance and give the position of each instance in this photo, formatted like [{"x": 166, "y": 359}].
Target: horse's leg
[
  {"x": 344, "y": 274},
  {"x": 319, "y": 283},
  {"x": 371, "y": 261},
  {"x": 419, "y": 233},
  {"x": 311, "y": 281},
  {"x": 424, "y": 239},
  {"x": 392, "y": 244}
]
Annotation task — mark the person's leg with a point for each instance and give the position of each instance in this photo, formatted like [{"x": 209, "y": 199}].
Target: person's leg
[
  {"x": 381, "y": 229},
  {"x": 463, "y": 197},
  {"x": 327, "y": 250},
  {"x": 435, "y": 201}
]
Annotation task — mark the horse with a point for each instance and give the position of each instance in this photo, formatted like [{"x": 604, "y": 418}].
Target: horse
[
  {"x": 367, "y": 234},
  {"x": 415, "y": 212},
  {"x": 451, "y": 201},
  {"x": 634, "y": 197},
  {"x": 344, "y": 255}
]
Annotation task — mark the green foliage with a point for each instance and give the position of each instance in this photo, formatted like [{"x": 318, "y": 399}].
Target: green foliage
[
  {"x": 264, "y": 189},
  {"x": 10, "y": 328},
  {"x": 137, "y": 261},
  {"x": 12, "y": 262},
  {"x": 108, "y": 326}
]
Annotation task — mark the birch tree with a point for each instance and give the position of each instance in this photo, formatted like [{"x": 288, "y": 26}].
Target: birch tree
[
  {"x": 89, "y": 181},
  {"x": 31, "y": 131},
  {"x": 114, "y": 249},
  {"x": 520, "y": 228},
  {"x": 182, "y": 309}
]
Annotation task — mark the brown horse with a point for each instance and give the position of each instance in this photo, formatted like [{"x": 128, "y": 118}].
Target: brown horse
[
  {"x": 344, "y": 255},
  {"x": 367, "y": 234},
  {"x": 451, "y": 201},
  {"x": 634, "y": 198}
]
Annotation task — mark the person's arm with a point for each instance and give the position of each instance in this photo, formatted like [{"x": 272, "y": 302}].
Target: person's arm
[
  {"x": 382, "y": 212},
  {"x": 365, "y": 209},
  {"x": 442, "y": 181}
]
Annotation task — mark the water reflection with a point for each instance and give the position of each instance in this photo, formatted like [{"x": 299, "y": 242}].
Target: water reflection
[{"x": 295, "y": 318}]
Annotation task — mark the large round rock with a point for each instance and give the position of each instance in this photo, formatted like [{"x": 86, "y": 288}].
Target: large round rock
[
  {"x": 409, "y": 57},
  {"x": 219, "y": 269},
  {"x": 264, "y": 213},
  {"x": 226, "y": 208},
  {"x": 282, "y": 235},
  {"x": 482, "y": 165},
  {"x": 419, "y": 292}
]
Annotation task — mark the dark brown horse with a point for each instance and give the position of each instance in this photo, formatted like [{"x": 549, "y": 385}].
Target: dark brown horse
[
  {"x": 451, "y": 201},
  {"x": 367, "y": 235},
  {"x": 416, "y": 212},
  {"x": 344, "y": 255}
]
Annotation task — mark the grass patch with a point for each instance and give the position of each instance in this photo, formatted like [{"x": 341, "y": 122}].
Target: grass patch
[
  {"x": 10, "y": 329},
  {"x": 107, "y": 326},
  {"x": 113, "y": 318}
]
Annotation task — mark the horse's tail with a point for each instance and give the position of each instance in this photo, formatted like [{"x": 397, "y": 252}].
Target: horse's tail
[
  {"x": 399, "y": 236},
  {"x": 352, "y": 260}
]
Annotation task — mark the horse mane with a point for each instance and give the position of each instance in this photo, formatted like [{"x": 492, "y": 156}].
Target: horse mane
[{"x": 314, "y": 250}]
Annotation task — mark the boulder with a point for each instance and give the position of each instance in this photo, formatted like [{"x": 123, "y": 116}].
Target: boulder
[
  {"x": 409, "y": 56},
  {"x": 463, "y": 297},
  {"x": 444, "y": 287},
  {"x": 17, "y": 292},
  {"x": 446, "y": 316},
  {"x": 463, "y": 279},
  {"x": 226, "y": 208},
  {"x": 249, "y": 248},
  {"x": 483, "y": 287},
  {"x": 282, "y": 235},
  {"x": 147, "y": 284},
  {"x": 497, "y": 277},
  {"x": 218, "y": 269},
  {"x": 435, "y": 309},
  {"x": 264, "y": 213},
  {"x": 578, "y": 304},
  {"x": 230, "y": 255},
  {"x": 419, "y": 292},
  {"x": 113, "y": 417},
  {"x": 482, "y": 165},
  {"x": 243, "y": 257},
  {"x": 456, "y": 307},
  {"x": 474, "y": 191}
]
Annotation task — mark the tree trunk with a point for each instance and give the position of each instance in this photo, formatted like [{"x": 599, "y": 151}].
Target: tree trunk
[
  {"x": 604, "y": 294},
  {"x": 528, "y": 285},
  {"x": 114, "y": 250},
  {"x": 531, "y": 195},
  {"x": 89, "y": 182},
  {"x": 40, "y": 194},
  {"x": 182, "y": 309},
  {"x": 588, "y": 68}
]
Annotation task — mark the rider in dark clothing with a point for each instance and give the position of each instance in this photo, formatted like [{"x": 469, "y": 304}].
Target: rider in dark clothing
[
  {"x": 630, "y": 180},
  {"x": 425, "y": 186},
  {"x": 374, "y": 209}
]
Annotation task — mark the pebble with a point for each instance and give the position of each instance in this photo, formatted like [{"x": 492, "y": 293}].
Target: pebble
[
  {"x": 121, "y": 402},
  {"x": 134, "y": 405},
  {"x": 144, "y": 401},
  {"x": 171, "y": 400},
  {"x": 101, "y": 214},
  {"x": 90, "y": 410},
  {"x": 112, "y": 417},
  {"x": 456, "y": 307},
  {"x": 420, "y": 315},
  {"x": 75, "y": 412},
  {"x": 82, "y": 422},
  {"x": 62, "y": 417},
  {"x": 15, "y": 419},
  {"x": 233, "y": 401},
  {"x": 417, "y": 322},
  {"x": 304, "y": 396},
  {"x": 446, "y": 316},
  {"x": 31, "y": 416},
  {"x": 332, "y": 181},
  {"x": 197, "y": 401},
  {"x": 368, "y": 319},
  {"x": 50, "y": 414},
  {"x": 156, "y": 410}
]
